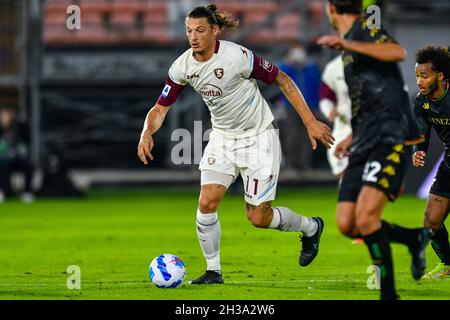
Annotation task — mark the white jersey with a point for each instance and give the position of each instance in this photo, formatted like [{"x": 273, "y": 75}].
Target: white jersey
[
  {"x": 237, "y": 107},
  {"x": 333, "y": 77}
]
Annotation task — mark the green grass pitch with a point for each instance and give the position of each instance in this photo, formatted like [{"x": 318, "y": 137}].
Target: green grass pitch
[{"x": 113, "y": 235}]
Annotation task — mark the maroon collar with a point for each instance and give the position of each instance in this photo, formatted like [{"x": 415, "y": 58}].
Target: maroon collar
[{"x": 216, "y": 50}]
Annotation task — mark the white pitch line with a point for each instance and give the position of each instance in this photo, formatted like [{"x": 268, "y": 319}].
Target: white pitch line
[
  {"x": 90, "y": 284},
  {"x": 141, "y": 283}
]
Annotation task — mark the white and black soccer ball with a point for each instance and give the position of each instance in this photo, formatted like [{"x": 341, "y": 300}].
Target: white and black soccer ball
[{"x": 167, "y": 271}]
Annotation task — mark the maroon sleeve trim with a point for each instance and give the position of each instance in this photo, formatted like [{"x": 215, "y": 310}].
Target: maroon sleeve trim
[
  {"x": 264, "y": 70},
  {"x": 170, "y": 93},
  {"x": 327, "y": 93}
]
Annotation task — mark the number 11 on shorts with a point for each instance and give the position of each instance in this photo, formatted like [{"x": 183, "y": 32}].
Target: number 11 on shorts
[{"x": 255, "y": 186}]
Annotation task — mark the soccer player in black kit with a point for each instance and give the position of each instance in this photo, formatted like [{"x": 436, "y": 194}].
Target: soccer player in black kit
[
  {"x": 432, "y": 109},
  {"x": 383, "y": 126}
]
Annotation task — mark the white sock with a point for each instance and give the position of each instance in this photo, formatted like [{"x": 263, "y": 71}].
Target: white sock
[
  {"x": 292, "y": 221},
  {"x": 208, "y": 233},
  {"x": 275, "y": 220}
]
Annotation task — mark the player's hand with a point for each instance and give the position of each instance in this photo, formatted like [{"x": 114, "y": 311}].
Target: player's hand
[
  {"x": 418, "y": 158},
  {"x": 145, "y": 147},
  {"x": 332, "y": 42},
  {"x": 320, "y": 131},
  {"x": 343, "y": 148}
]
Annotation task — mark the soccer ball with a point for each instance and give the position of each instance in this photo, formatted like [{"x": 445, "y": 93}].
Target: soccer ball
[{"x": 167, "y": 271}]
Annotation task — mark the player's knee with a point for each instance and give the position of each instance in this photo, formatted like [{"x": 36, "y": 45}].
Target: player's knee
[
  {"x": 257, "y": 219},
  {"x": 259, "y": 215},
  {"x": 210, "y": 197},
  {"x": 366, "y": 223},
  {"x": 364, "y": 220},
  {"x": 432, "y": 222},
  {"x": 345, "y": 221},
  {"x": 208, "y": 204},
  {"x": 347, "y": 229}
]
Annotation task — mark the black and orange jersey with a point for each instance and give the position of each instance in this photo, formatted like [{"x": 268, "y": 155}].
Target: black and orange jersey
[{"x": 381, "y": 109}]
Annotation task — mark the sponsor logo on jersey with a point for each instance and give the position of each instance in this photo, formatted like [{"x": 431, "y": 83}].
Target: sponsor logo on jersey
[
  {"x": 210, "y": 91},
  {"x": 266, "y": 64},
  {"x": 244, "y": 52},
  {"x": 166, "y": 91},
  {"x": 441, "y": 121},
  {"x": 192, "y": 76},
  {"x": 219, "y": 73}
]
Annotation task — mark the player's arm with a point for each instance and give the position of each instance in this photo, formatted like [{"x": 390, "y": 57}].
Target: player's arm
[
  {"x": 316, "y": 129},
  {"x": 263, "y": 70},
  {"x": 155, "y": 118},
  {"x": 388, "y": 51},
  {"x": 153, "y": 121}
]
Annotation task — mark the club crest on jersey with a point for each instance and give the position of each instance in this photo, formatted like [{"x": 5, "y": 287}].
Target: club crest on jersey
[
  {"x": 426, "y": 106},
  {"x": 211, "y": 161},
  {"x": 219, "y": 73},
  {"x": 166, "y": 91},
  {"x": 266, "y": 64}
]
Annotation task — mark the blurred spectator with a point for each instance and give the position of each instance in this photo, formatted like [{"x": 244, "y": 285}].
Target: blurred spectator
[
  {"x": 294, "y": 136},
  {"x": 13, "y": 154},
  {"x": 316, "y": 18}
]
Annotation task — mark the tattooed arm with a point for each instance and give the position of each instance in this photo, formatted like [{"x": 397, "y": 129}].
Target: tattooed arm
[{"x": 316, "y": 129}]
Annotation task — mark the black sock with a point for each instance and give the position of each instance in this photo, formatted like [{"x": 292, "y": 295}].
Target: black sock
[
  {"x": 439, "y": 242},
  {"x": 400, "y": 234},
  {"x": 380, "y": 251}
]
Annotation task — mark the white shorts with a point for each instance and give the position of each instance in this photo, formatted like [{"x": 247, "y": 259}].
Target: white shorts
[
  {"x": 256, "y": 158},
  {"x": 338, "y": 165}
]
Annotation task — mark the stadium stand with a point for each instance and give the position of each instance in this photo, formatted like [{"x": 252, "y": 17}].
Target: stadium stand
[{"x": 109, "y": 22}]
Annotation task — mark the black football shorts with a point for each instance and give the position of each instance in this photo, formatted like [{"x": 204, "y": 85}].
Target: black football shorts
[
  {"x": 383, "y": 167},
  {"x": 441, "y": 183}
]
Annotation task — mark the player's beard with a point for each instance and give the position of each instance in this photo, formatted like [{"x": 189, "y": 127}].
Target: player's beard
[
  {"x": 434, "y": 87},
  {"x": 200, "y": 51},
  {"x": 429, "y": 90}
]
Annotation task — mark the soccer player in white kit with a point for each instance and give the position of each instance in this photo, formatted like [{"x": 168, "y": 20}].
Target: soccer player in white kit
[
  {"x": 336, "y": 105},
  {"x": 242, "y": 140}
]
